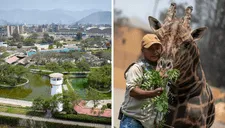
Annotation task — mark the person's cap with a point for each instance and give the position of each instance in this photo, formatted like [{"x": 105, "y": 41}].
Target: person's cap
[{"x": 150, "y": 39}]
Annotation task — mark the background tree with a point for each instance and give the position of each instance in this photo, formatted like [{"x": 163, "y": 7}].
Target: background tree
[
  {"x": 33, "y": 36},
  {"x": 5, "y": 54},
  {"x": 58, "y": 44},
  {"x": 212, "y": 15},
  {"x": 47, "y": 39},
  {"x": 53, "y": 66},
  {"x": 50, "y": 46},
  {"x": 79, "y": 36},
  {"x": 100, "y": 78},
  {"x": 93, "y": 95},
  {"x": 68, "y": 66},
  {"x": 37, "y": 104},
  {"x": 20, "y": 45},
  {"x": 29, "y": 42},
  {"x": 20, "y": 71},
  {"x": 83, "y": 65},
  {"x": 75, "y": 55},
  {"x": 16, "y": 36},
  {"x": 69, "y": 100}
]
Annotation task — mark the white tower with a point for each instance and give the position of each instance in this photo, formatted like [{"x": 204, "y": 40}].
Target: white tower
[{"x": 56, "y": 80}]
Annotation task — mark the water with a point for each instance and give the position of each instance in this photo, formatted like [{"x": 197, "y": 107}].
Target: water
[
  {"x": 30, "y": 53},
  {"x": 38, "y": 86},
  {"x": 79, "y": 85}
]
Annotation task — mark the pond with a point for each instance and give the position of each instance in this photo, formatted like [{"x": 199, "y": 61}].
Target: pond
[
  {"x": 81, "y": 84},
  {"x": 38, "y": 86}
]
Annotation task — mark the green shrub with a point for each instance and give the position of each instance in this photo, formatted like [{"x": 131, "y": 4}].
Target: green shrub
[
  {"x": 109, "y": 105},
  {"x": 83, "y": 118},
  {"x": 14, "y": 121}
]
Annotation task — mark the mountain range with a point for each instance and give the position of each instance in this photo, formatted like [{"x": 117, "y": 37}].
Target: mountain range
[
  {"x": 103, "y": 17},
  {"x": 34, "y": 16}
]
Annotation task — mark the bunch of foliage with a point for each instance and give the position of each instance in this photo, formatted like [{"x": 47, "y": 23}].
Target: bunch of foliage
[{"x": 152, "y": 80}]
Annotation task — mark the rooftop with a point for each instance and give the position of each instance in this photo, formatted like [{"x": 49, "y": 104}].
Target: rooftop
[{"x": 56, "y": 75}]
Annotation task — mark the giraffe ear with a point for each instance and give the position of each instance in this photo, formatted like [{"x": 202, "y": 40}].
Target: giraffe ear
[
  {"x": 198, "y": 33},
  {"x": 154, "y": 23}
]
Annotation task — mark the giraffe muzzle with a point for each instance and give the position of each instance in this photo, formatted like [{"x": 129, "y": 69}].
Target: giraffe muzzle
[{"x": 163, "y": 66}]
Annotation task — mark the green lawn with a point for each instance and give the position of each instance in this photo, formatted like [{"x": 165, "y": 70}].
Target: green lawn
[{"x": 14, "y": 109}]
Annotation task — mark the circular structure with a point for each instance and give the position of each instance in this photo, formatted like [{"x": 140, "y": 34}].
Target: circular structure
[
  {"x": 56, "y": 80},
  {"x": 56, "y": 75}
]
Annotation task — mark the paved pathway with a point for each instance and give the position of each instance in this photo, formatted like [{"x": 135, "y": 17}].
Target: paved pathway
[
  {"x": 56, "y": 120},
  {"x": 22, "y": 103}
]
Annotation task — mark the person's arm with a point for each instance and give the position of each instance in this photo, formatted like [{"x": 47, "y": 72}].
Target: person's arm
[{"x": 138, "y": 93}]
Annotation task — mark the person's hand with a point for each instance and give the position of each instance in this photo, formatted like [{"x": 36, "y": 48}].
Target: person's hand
[{"x": 158, "y": 91}]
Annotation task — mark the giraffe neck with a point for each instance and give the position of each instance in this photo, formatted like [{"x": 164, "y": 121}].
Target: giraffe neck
[{"x": 188, "y": 63}]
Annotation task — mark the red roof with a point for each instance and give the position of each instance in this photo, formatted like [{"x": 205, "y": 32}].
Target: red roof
[
  {"x": 81, "y": 109},
  {"x": 12, "y": 59}
]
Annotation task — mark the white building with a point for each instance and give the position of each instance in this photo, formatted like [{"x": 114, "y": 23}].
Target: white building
[
  {"x": 3, "y": 44},
  {"x": 56, "y": 80},
  {"x": 42, "y": 46}
]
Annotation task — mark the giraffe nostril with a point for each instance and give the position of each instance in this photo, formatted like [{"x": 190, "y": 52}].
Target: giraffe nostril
[{"x": 169, "y": 65}]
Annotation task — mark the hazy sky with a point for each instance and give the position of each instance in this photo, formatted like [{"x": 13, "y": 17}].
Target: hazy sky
[
  {"x": 143, "y": 8},
  {"x": 73, "y": 5}
]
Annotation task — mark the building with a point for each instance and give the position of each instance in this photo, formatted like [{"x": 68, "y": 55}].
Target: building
[
  {"x": 3, "y": 31},
  {"x": 127, "y": 49},
  {"x": 56, "y": 80},
  {"x": 21, "y": 29},
  {"x": 3, "y": 44},
  {"x": 11, "y": 29}
]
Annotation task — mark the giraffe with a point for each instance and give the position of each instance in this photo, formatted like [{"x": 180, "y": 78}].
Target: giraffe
[{"x": 191, "y": 103}]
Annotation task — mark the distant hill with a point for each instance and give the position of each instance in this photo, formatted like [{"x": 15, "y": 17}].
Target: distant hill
[
  {"x": 35, "y": 16},
  {"x": 103, "y": 17},
  {"x": 99, "y": 31}
]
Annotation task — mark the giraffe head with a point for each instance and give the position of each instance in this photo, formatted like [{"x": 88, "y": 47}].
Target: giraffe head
[{"x": 174, "y": 34}]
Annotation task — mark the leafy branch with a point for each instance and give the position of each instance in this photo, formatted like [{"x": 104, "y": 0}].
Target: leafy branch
[{"x": 152, "y": 80}]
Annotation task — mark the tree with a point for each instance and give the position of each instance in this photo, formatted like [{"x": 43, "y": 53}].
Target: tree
[
  {"x": 33, "y": 36},
  {"x": 93, "y": 95},
  {"x": 29, "y": 42},
  {"x": 106, "y": 54},
  {"x": 100, "y": 78},
  {"x": 20, "y": 71},
  {"x": 68, "y": 66},
  {"x": 37, "y": 104},
  {"x": 69, "y": 100},
  {"x": 50, "y": 46},
  {"x": 16, "y": 36},
  {"x": 19, "y": 45},
  {"x": 5, "y": 54},
  {"x": 47, "y": 38},
  {"x": 79, "y": 36},
  {"x": 58, "y": 44},
  {"x": 83, "y": 65},
  {"x": 3, "y": 49},
  {"x": 53, "y": 66},
  {"x": 76, "y": 55},
  {"x": 212, "y": 15}
]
